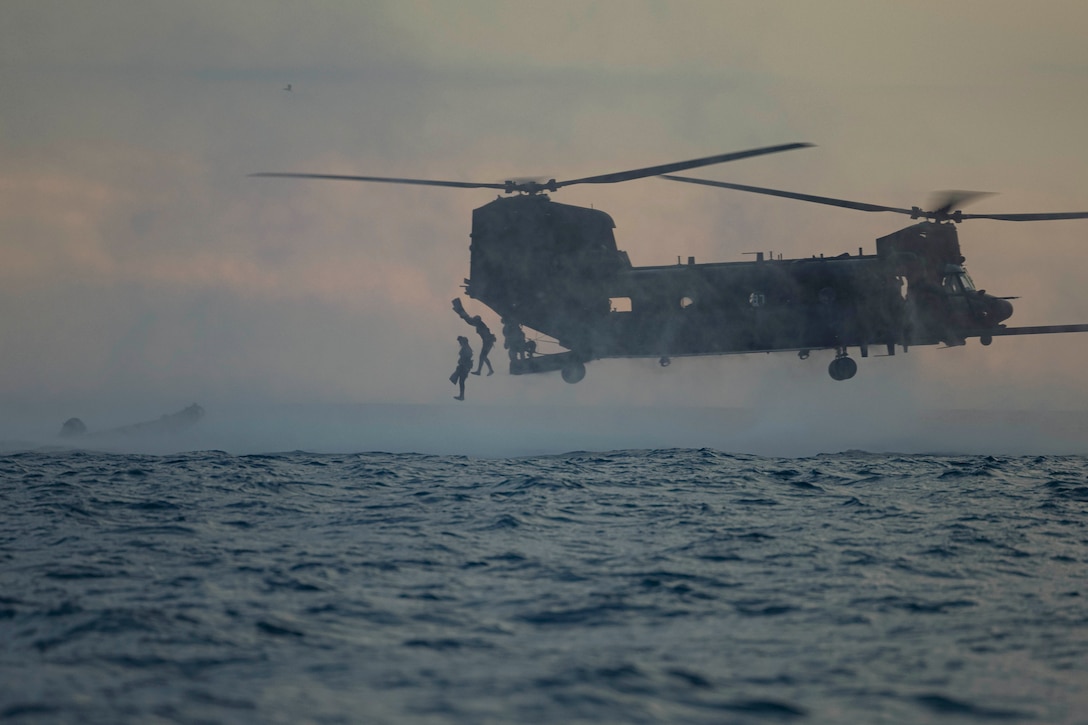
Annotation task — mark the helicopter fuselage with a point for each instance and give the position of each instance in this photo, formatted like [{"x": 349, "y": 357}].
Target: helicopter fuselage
[{"x": 556, "y": 268}]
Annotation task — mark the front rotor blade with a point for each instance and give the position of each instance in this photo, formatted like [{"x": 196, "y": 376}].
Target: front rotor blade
[
  {"x": 385, "y": 180},
  {"x": 680, "y": 165},
  {"x": 947, "y": 201},
  {"x": 1029, "y": 217},
  {"x": 858, "y": 205}
]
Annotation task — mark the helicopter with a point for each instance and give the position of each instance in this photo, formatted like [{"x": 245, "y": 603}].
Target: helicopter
[{"x": 556, "y": 269}]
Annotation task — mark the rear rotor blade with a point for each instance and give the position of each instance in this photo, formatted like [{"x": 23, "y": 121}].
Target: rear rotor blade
[
  {"x": 680, "y": 165},
  {"x": 532, "y": 187},
  {"x": 858, "y": 205},
  {"x": 385, "y": 180}
]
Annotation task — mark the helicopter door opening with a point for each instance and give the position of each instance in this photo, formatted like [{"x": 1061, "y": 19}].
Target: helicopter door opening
[{"x": 619, "y": 304}]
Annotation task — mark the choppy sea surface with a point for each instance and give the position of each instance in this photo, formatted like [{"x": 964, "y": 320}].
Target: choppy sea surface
[{"x": 633, "y": 586}]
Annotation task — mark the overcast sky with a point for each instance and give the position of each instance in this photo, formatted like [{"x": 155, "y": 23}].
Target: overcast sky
[{"x": 143, "y": 269}]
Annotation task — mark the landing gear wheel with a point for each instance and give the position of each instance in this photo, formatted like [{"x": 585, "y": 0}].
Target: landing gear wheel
[
  {"x": 573, "y": 372},
  {"x": 842, "y": 368}
]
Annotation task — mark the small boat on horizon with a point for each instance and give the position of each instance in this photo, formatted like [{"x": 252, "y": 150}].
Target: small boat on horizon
[{"x": 166, "y": 425}]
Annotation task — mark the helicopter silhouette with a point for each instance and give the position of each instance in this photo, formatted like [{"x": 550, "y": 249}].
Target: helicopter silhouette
[{"x": 556, "y": 268}]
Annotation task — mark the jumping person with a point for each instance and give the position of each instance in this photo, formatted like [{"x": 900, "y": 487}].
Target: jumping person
[
  {"x": 464, "y": 366},
  {"x": 487, "y": 338},
  {"x": 487, "y": 342}
]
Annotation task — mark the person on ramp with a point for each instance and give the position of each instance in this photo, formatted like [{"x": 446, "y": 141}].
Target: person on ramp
[
  {"x": 518, "y": 348},
  {"x": 464, "y": 366},
  {"x": 487, "y": 338}
]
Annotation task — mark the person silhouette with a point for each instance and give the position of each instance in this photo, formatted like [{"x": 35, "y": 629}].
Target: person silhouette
[
  {"x": 487, "y": 342},
  {"x": 513, "y": 339},
  {"x": 487, "y": 338},
  {"x": 464, "y": 366}
]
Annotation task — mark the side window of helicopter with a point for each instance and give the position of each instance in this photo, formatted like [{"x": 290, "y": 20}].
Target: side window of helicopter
[
  {"x": 757, "y": 299},
  {"x": 619, "y": 304},
  {"x": 967, "y": 282},
  {"x": 686, "y": 302}
]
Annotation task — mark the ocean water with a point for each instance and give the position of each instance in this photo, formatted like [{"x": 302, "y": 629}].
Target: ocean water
[{"x": 632, "y": 586}]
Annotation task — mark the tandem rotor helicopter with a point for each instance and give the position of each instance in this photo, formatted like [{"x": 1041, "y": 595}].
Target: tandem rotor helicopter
[{"x": 555, "y": 268}]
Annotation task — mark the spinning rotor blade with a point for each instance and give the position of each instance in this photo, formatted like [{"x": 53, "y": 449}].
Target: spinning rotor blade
[
  {"x": 944, "y": 212},
  {"x": 533, "y": 187},
  {"x": 680, "y": 165},
  {"x": 860, "y": 206},
  {"x": 1029, "y": 217},
  {"x": 946, "y": 201},
  {"x": 384, "y": 180}
]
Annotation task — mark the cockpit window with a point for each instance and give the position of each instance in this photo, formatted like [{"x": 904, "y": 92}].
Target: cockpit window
[{"x": 957, "y": 283}]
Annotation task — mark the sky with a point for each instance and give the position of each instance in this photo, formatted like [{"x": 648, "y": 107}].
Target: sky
[{"x": 145, "y": 270}]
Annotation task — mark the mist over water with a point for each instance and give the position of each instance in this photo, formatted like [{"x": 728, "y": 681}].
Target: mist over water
[{"x": 796, "y": 426}]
